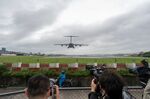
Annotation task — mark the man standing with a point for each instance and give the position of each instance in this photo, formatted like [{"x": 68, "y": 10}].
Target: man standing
[
  {"x": 62, "y": 78},
  {"x": 38, "y": 87}
]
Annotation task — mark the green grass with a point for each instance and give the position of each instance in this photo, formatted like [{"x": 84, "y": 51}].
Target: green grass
[{"x": 43, "y": 59}]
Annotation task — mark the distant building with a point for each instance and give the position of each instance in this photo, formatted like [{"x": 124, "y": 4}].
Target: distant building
[
  {"x": 3, "y": 49},
  {"x": 4, "y": 52},
  {"x": 8, "y": 55}
]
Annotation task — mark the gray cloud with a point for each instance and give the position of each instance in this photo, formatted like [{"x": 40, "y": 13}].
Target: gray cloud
[
  {"x": 125, "y": 33},
  {"x": 23, "y": 18},
  {"x": 128, "y": 32}
]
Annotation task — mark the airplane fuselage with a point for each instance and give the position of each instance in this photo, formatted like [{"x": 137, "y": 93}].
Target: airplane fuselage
[{"x": 71, "y": 45}]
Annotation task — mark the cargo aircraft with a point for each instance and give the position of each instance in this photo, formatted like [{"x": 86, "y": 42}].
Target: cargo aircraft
[{"x": 71, "y": 44}]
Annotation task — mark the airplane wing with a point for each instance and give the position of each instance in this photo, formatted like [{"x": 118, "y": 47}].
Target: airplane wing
[
  {"x": 80, "y": 44},
  {"x": 62, "y": 44},
  {"x": 71, "y": 36}
]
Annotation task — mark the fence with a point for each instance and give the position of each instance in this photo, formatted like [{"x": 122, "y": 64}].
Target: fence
[{"x": 71, "y": 93}]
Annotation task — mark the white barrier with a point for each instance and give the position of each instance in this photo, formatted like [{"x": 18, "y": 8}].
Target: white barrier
[
  {"x": 113, "y": 65},
  {"x": 54, "y": 65},
  {"x": 16, "y": 64},
  {"x": 34, "y": 65},
  {"x": 73, "y": 65},
  {"x": 93, "y": 64},
  {"x": 131, "y": 65}
]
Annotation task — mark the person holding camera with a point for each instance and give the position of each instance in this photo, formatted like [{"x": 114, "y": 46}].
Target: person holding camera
[
  {"x": 143, "y": 72},
  {"x": 38, "y": 87},
  {"x": 110, "y": 86}
]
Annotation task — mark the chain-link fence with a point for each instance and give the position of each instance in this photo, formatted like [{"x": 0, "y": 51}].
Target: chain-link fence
[
  {"x": 136, "y": 92},
  {"x": 71, "y": 93}
]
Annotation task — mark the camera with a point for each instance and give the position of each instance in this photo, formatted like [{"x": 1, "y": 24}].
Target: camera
[
  {"x": 96, "y": 72},
  {"x": 143, "y": 74},
  {"x": 52, "y": 87}
]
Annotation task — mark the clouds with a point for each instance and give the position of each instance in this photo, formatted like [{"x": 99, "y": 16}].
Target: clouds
[
  {"x": 125, "y": 33},
  {"x": 36, "y": 25},
  {"x": 23, "y": 18}
]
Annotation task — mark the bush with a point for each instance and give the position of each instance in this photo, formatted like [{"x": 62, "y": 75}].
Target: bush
[
  {"x": 78, "y": 73},
  {"x": 49, "y": 73},
  {"x": 7, "y": 74},
  {"x": 124, "y": 72},
  {"x": 22, "y": 74},
  {"x": 3, "y": 70}
]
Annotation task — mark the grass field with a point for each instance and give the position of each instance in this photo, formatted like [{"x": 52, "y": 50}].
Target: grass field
[{"x": 43, "y": 59}]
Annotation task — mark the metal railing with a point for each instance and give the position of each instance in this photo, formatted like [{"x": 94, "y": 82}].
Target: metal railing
[{"x": 72, "y": 93}]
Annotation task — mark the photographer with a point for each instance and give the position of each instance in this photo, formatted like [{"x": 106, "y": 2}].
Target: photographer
[
  {"x": 143, "y": 71},
  {"x": 110, "y": 85},
  {"x": 38, "y": 87}
]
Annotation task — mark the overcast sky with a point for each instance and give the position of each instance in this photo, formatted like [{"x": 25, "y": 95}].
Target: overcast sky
[{"x": 107, "y": 26}]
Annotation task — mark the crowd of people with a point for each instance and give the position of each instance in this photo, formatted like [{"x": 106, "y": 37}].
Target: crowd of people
[{"x": 108, "y": 86}]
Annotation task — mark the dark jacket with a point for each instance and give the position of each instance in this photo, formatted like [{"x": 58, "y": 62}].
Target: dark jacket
[
  {"x": 93, "y": 95},
  {"x": 125, "y": 94},
  {"x": 143, "y": 74}
]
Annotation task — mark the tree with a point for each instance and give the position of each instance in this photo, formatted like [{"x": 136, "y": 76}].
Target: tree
[{"x": 146, "y": 54}]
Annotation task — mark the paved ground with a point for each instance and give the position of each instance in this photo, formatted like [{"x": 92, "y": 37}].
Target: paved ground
[
  {"x": 65, "y": 94},
  {"x": 10, "y": 89}
]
